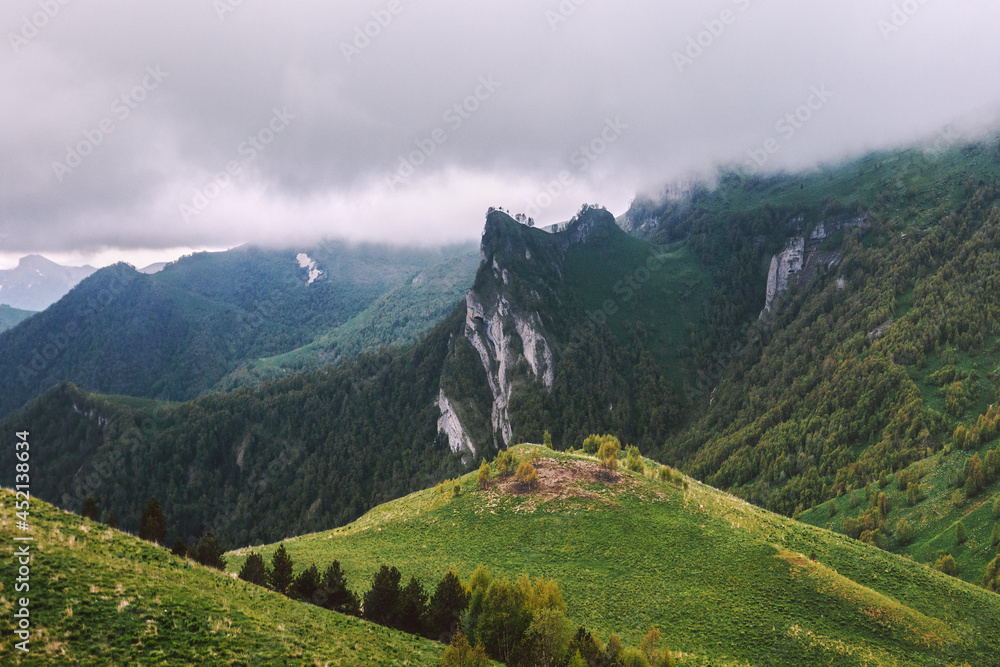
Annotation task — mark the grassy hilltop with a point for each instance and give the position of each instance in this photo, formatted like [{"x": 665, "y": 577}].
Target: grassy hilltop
[
  {"x": 726, "y": 582},
  {"x": 102, "y": 597}
]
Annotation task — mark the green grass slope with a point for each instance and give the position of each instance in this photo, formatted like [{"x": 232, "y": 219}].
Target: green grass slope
[
  {"x": 726, "y": 582},
  {"x": 395, "y": 319},
  {"x": 102, "y": 597}
]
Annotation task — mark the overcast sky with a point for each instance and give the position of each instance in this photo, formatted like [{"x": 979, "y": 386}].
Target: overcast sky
[{"x": 143, "y": 129}]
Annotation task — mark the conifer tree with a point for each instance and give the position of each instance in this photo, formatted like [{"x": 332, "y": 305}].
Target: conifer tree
[
  {"x": 281, "y": 570},
  {"x": 306, "y": 585},
  {"x": 209, "y": 552},
  {"x": 334, "y": 594},
  {"x": 179, "y": 548},
  {"x": 89, "y": 509},
  {"x": 254, "y": 570},
  {"x": 412, "y": 608},
  {"x": 445, "y": 608},
  {"x": 382, "y": 599},
  {"x": 152, "y": 526}
]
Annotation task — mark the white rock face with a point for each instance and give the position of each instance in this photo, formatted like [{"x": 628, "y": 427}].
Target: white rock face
[
  {"x": 785, "y": 264},
  {"x": 484, "y": 328},
  {"x": 449, "y": 422},
  {"x": 305, "y": 262}
]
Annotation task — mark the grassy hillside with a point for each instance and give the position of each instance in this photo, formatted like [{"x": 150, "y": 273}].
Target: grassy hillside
[
  {"x": 102, "y": 597},
  {"x": 932, "y": 521},
  {"x": 727, "y": 583},
  {"x": 396, "y": 318},
  {"x": 11, "y": 317}
]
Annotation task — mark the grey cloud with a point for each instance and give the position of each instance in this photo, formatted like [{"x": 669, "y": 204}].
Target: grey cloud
[{"x": 898, "y": 70}]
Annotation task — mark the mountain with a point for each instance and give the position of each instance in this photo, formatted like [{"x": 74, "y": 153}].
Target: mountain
[
  {"x": 396, "y": 318},
  {"x": 11, "y": 317},
  {"x": 391, "y": 422},
  {"x": 121, "y": 600},
  {"x": 791, "y": 339},
  {"x": 727, "y": 583},
  {"x": 36, "y": 283},
  {"x": 175, "y": 334}
]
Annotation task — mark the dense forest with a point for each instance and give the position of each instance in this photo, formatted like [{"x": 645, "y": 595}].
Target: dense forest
[
  {"x": 175, "y": 334},
  {"x": 872, "y": 365}
]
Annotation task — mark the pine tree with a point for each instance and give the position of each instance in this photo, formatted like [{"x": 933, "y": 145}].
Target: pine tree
[
  {"x": 334, "y": 594},
  {"x": 445, "y": 608},
  {"x": 483, "y": 478},
  {"x": 254, "y": 570},
  {"x": 281, "y": 570},
  {"x": 209, "y": 553},
  {"x": 995, "y": 539},
  {"x": 961, "y": 536},
  {"x": 412, "y": 608},
  {"x": 179, "y": 548},
  {"x": 112, "y": 521},
  {"x": 547, "y": 439},
  {"x": 382, "y": 599},
  {"x": 306, "y": 585},
  {"x": 152, "y": 526},
  {"x": 89, "y": 509}
]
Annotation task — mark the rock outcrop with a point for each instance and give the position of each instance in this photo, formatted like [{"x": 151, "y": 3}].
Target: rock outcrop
[
  {"x": 787, "y": 264},
  {"x": 451, "y": 425}
]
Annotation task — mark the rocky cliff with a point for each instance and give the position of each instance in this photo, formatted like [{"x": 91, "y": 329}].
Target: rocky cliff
[{"x": 508, "y": 314}]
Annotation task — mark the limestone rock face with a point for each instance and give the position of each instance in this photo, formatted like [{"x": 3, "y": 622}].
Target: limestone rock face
[
  {"x": 784, "y": 266},
  {"x": 449, "y": 423}
]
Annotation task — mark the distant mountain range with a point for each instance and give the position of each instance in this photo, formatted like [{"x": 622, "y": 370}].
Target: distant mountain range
[
  {"x": 176, "y": 333},
  {"x": 36, "y": 283}
]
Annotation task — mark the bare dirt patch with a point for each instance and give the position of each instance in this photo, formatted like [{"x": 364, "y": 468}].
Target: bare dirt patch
[{"x": 561, "y": 480}]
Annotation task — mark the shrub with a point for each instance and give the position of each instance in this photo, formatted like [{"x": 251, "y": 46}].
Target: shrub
[
  {"x": 483, "y": 478},
  {"x": 634, "y": 658},
  {"x": 527, "y": 476},
  {"x": 592, "y": 444},
  {"x": 960, "y": 533},
  {"x": 634, "y": 459},
  {"x": 996, "y": 508},
  {"x": 945, "y": 563},
  {"x": 608, "y": 453},
  {"x": 460, "y": 654},
  {"x": 547, "y": 440},
  {"x": 903, "y": 533},
  {"x": 505, "y": 461},
  {"x": 995, "y": 539}
]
